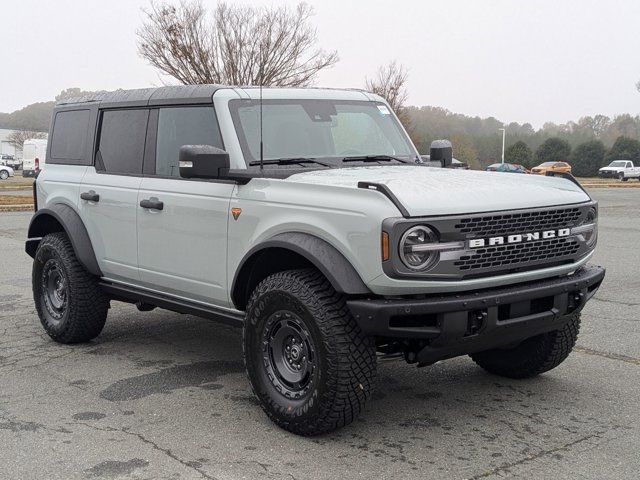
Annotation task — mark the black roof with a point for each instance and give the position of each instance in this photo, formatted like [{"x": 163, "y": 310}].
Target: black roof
[{"x": 149, "y": 96}]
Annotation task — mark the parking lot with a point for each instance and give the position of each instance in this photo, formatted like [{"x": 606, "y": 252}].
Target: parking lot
[{"x": 163, "y": 395}]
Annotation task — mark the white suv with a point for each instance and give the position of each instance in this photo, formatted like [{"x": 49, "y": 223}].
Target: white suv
[{"x": 306, "y": 217}]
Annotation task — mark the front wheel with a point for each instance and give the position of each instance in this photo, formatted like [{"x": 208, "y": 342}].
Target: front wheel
[
  {"x": 308, "y": 362},
  {"x": 534, "y": 355},
  {"x": 4, "y": 174}
]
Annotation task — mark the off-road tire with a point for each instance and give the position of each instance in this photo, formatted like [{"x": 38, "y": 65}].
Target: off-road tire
[
  {"x": 344, "y": 376},
  {"x": 85, "y": 309},
  {"x": 534, "y": 355}
]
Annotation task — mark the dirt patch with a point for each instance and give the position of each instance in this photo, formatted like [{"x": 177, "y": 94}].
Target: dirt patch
[{"x": 15, "y": 200}]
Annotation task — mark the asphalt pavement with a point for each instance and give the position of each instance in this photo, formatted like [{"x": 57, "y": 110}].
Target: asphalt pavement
[{"x": 164, "y": 396}]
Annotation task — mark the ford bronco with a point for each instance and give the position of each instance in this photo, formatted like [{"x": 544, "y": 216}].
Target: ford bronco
[{"x": 308, "y": 218}]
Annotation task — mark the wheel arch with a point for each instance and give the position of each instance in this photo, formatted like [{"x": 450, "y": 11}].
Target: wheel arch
[
  {"x": 294, "y": 250},
  {"x": 60, "y": 217}
]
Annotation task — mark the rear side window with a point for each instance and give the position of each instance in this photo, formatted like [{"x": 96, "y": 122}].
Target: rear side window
[
  {"x": 69, "y": 138},
  {"x": 121, "y": 144},
  {"x": 183, "y": 126}
]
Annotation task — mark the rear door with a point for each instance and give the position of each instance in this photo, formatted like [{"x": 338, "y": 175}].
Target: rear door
[
  {"x": 109, "y": 192},
  {"x": 182, "y": 231}
]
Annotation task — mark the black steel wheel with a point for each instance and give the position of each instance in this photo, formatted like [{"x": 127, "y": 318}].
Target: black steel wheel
[
  {"x": 288, "y": 353},
  {"x": 55, "y": 289},
  {"x": 308, "y": 362}
]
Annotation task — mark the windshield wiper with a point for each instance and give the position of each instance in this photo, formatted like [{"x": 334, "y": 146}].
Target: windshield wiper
[
  {"x": 288, "y": 161},
  {"x": 374, "y": 158}
]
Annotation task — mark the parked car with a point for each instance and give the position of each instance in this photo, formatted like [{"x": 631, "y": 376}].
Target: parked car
[
  {"x": 5, "y": 172},
  {"x": 619, "y": 169},
  {"x": 10, "y": 161},
  {"x": 506, "y": 167},
  {"x": 327, "y": 248},
  {"x": 34, "y": 155},
  {"x": 555, "y": 167}
]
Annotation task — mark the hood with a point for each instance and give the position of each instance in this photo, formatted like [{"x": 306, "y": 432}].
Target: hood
[{"x": 435, "y": 191}]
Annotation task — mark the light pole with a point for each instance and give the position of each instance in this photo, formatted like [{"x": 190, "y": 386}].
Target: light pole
[{"x": 504, "y": 131}]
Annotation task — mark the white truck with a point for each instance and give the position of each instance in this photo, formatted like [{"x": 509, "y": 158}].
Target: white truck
[
  {"x": 34, "y": 155},
  {"x": 621, "y": 169}
]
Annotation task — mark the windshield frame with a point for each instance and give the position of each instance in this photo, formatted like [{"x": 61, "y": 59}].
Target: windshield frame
[{"x": 334, "y": 161}]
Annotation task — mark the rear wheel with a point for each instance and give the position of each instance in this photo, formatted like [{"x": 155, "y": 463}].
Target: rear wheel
[
  {"x": 308, "y": 362},
  {"x": 69, "y": 302},
  {"x": 4, "y": 174},
  {"x": 534, "y": 355}
]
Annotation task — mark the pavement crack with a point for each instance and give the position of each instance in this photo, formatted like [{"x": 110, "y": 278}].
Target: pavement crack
[
  {"x": 154, "y": 445},
  {"x": 617, "y": 302},
  {"x": 610, "y": 356},
  {"x": 169, "y": 453},
  {"x": 504, "y": 468}
]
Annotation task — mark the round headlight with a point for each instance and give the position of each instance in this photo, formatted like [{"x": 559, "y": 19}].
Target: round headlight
[{"x": 414, "y": 248}]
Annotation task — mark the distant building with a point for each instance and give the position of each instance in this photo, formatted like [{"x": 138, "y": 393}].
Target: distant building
[{"x": 5, "y": 147}]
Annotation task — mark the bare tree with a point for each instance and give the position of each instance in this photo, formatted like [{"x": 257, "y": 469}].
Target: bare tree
[
  {"x": 18, "y": 137},
  {"x": 235, "y": 45},
  {"x": 390, "y": 83}
]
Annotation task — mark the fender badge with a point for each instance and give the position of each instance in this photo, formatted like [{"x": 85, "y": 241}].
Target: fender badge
[{"x": 236, "y": 213}]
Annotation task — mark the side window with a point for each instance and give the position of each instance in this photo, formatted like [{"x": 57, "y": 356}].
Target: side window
[
  {"x": 122, "y": 137},
  {"x": 69, "y": 136},
  {"x": 180, "y": 126}
]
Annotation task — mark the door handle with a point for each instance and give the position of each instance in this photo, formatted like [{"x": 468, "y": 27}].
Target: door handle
[
  {"x": 90, "y": 196},
  {"x": 152, "y": 203}
]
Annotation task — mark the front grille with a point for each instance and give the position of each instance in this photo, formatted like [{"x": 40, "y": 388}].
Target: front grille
[
  {"x": 511, "y": 223},
  {"x": 504, "y": 256}
]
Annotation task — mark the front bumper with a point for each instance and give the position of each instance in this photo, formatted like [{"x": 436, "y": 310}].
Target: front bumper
[{"x": 458, "y": 324}]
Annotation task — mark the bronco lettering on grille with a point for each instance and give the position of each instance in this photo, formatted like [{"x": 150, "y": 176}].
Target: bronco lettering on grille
[{"x": 518, "y": 238}]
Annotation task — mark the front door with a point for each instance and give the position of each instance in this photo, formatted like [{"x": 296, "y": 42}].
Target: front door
[
  {"x": 182, "y": 224},
  {"x": 109, "y": 192}
]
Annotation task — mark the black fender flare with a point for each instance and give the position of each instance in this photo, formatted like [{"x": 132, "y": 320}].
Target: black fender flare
[
  {"x": 46, "y": 221},
  {"x": 325, "y": 257}
]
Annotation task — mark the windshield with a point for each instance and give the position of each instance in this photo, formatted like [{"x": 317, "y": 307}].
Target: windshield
[
  {"x": 318, "y": 129},
  {"x": 547, "y": 164},
  {"x": 618, "y": 163}
]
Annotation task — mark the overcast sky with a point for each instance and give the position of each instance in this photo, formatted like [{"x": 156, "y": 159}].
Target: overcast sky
[{"x": 525, "y": 61}]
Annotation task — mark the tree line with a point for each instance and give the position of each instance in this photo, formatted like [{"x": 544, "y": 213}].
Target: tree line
[{"x": 587, "y": 144}]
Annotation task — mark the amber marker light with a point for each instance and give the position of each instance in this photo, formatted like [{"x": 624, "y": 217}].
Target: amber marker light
[
  {"x": 385, "y": 246},
  {"x": 236, "y": 213}
]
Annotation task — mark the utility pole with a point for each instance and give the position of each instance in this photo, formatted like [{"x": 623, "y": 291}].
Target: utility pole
[{"x": 504, "y": 131}]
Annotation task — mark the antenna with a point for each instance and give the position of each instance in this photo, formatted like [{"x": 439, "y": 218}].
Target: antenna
[{"x": 261, "y": 144}]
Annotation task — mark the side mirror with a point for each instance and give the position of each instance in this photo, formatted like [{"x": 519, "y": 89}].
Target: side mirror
[
  {"x": 442, "y": 151},
  {"x": 203, "y": 161}
]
